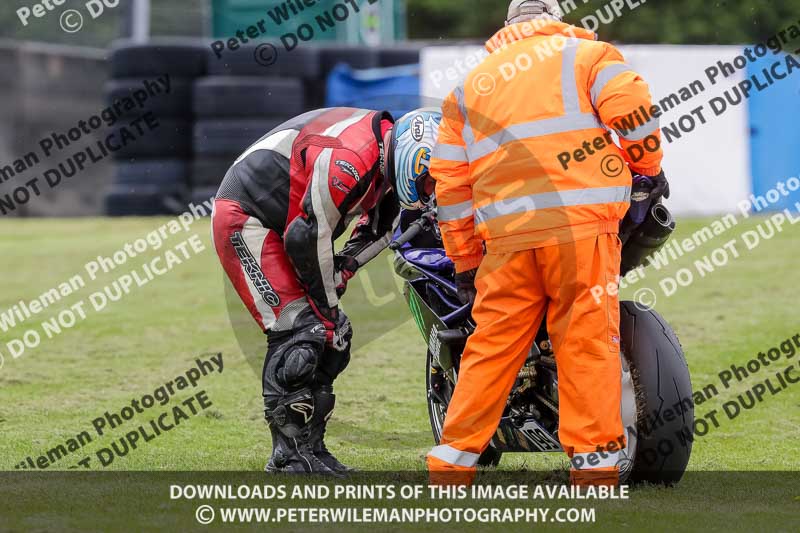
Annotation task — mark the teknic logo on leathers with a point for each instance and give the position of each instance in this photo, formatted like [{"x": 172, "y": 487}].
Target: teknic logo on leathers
[
  {"x": 253, "y": 270},
  {"x": 348, "y": 168}
]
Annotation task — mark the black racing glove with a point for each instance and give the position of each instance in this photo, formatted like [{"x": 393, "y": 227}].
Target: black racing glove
[
  {"x": 346, "y": 268},
  {"x": 465, "y": 285},
  {"x": 342, "y": 334},
  {"x": 661, "y": 187},
  {"x": 641, "y": 200}
]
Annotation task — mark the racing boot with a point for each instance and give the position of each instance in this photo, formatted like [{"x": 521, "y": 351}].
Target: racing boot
[
  {"x": 324, "y": 401},
  {"x": 279, "y": 457},
  {"x": 290, "y": 420}
]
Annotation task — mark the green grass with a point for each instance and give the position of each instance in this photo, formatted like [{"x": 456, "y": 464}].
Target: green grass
[{"x": 154, "y": 334}]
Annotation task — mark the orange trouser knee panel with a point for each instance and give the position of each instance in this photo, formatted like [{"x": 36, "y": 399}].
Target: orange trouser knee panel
[{"x": 514, "y": 291}]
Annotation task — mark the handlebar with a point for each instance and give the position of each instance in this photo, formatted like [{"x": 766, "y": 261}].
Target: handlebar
[{"x": 415, "y": 228}]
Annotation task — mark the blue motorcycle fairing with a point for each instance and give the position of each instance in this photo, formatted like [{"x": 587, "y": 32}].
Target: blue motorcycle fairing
[{"x": 433, "y": 259}]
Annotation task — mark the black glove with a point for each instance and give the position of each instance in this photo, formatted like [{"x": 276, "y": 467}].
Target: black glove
[
  {"x": 465, "y": 285},
  {"x": 641, "y": 200},
  {"x": 346, "y": 268},
  {"x": 661, "y": 187},
  {"x": 342, "y": 334}
]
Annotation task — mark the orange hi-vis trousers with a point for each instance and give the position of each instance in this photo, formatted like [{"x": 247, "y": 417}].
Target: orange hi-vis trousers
[{"x": 514, "y": 290}]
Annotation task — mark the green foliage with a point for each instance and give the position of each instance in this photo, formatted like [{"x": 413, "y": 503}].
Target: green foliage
[{"x": 656, "y": 21}]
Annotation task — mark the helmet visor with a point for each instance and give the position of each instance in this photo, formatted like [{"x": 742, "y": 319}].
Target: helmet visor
[{"x": 425, "y": 187}]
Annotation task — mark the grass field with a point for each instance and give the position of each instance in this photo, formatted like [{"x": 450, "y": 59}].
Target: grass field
[{"x": 53, "y": 392}]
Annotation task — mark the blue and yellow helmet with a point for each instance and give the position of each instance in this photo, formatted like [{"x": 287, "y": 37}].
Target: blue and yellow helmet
[{"x": 413, "y": 139}]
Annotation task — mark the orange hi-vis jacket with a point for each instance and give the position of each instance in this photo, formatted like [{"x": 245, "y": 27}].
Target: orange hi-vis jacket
[{"x": 547, "y": 88}]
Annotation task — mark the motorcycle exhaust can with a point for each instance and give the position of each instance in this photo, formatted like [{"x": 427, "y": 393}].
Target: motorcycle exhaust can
[{"x": 647, "y": 238}]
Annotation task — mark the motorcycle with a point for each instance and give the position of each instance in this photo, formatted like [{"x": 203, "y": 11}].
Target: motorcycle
[{"x": 657, "y": 408}]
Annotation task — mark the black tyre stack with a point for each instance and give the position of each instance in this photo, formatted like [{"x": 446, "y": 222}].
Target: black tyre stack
[
  {"x": 248, "y": 92},
  {"x": 252, "y": 90},
  {"x": 153, "y": 173},
  {"x": 400, "y": 54}
]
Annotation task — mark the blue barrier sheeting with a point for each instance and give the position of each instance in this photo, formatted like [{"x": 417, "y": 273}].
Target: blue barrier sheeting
[
  {"x": 395, "y": 89},
  {"x": 774, "y": 131}
]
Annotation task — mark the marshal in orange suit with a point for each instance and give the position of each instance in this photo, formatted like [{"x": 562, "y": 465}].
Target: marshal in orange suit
[{"x": 532, "y": 238}]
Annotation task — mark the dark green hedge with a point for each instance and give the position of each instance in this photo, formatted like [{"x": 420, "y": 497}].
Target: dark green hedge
[{"x": 656, "y": 21}]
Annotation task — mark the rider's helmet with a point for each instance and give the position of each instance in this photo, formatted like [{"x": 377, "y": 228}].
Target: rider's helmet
[
  {"x": 522, "y": 10},
  {"x": 409, "y": 156}
]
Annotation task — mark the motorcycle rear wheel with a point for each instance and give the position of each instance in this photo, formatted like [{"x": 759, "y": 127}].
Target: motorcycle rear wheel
[{"x": 664, "y": 418}]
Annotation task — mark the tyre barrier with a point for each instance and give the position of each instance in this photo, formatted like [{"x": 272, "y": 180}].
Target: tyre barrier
[
  {"x": 218, "y": 105},
  {"x": 153, "y": 172}
]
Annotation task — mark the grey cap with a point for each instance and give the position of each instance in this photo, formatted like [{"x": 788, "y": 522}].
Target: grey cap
[{"x": 521, "y": 8}]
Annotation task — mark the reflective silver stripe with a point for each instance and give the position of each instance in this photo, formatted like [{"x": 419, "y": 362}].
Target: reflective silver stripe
[
  {"x": 580, "y": 461},
  {"x": 546, "y": 200},
  {"x": 569, "y": 87},
  {"x": 528, "y": 130},
  {"x": 604, "y": 76},
  {"x": 572, "y": 120},
  {"x": 450, "y": 152},
  {"x": 467, "y": 133},
  {"x": 449, "y": 213},
  {"x": 450, "y": 455},
  {"x": 637, "y": 134}
]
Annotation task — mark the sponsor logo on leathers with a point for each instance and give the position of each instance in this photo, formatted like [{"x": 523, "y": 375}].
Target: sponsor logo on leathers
[
  {"x": 253, "y": 270},
  {"x": 348, "y": 168}
]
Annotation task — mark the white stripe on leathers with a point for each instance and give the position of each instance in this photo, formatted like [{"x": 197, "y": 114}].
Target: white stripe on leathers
[
  {"x": 327, "y": 213},
  {"x": 254, "y": 235},
  {"x": 280, "y": 142}
]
